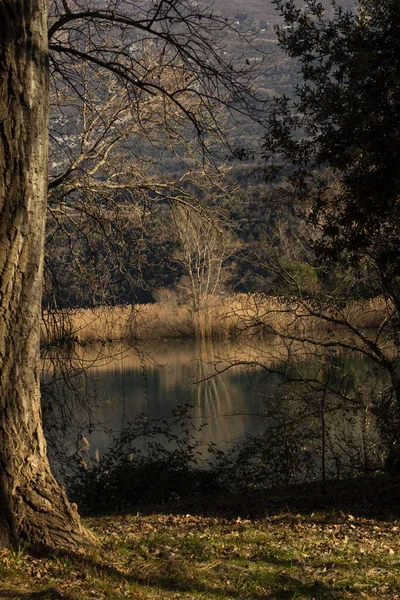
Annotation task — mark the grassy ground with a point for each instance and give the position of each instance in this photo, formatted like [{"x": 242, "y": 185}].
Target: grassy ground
[{"x": 292, "y": 553}]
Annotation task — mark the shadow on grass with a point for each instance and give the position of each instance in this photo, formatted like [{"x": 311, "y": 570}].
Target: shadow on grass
[
  {"x": 47, "y": 594},
  {"x": 376, "y": 498},
  {"x": 289, "y": 588},
  {"x": 171, "y": 578},
  {"x": 372, "y": 497},
  {"x": 286, "y": 588}
]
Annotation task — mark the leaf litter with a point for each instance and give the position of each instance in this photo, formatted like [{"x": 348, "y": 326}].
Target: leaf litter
[{"x": 176, "y": 557}]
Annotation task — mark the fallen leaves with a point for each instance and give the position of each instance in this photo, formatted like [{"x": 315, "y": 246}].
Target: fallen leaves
[{"x": 183, "y": 557}]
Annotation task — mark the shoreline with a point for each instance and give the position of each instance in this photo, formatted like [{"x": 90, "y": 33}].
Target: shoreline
[{"x": 223, "y": 318}]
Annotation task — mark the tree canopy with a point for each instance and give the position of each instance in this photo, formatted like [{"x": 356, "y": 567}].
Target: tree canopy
[
  {"x": 345, "y": 115},
  {"x": 338, "y": 140}
]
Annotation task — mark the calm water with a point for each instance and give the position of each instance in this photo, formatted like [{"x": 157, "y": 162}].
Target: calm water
[{"x": 118, "y": 384}]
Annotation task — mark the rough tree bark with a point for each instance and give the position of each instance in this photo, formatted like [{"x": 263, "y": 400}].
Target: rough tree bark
[{"x": 32, "y": 505}]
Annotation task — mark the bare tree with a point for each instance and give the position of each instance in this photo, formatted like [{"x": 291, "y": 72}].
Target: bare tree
[
  {"x": 185, "y": 64},
  {"x": 32, "y": 505},
  {"x": 205, "y": 244},
  {"x": 107, "y": 147},
  {"x": 105, "y": 35}
]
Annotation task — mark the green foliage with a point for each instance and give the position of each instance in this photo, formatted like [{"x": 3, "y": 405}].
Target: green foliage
[
  {"x": 298, "y": 277},
  {"x": 340, "y": 136},
  {"x": 118, "y": 264},
  {"x": 345, "y": 114}
]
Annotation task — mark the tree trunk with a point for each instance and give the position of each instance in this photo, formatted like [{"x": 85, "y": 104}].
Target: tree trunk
[{"x": 33, "y": 507}]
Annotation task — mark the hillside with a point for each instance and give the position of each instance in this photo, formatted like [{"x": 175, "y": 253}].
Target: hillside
[
  {"x": 264, "y": 9},
  {"x": 277, "y": 74},
  {"x": 253, "y": 215}
]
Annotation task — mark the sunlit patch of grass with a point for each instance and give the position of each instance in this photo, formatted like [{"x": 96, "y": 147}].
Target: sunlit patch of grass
[{"x": 181, "y": 557}]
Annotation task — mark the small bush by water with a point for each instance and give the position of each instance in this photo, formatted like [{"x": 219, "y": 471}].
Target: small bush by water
[
  {"x": 152, "y": 461},
  {"x": 157, "y": 461}
]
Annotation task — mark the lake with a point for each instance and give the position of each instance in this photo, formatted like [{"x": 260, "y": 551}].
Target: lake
[{"x": 232, "y": 390}]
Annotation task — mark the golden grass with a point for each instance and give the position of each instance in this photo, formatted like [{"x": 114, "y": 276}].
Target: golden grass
[
  {"x": 222, "y": 318},
  {"x": 104, "y": 324}
]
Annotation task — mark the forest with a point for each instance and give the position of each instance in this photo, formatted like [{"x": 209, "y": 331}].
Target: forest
[{"x": 207, "y": 176}]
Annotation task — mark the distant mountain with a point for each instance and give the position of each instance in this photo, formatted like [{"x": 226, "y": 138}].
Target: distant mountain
[
  {"x": 278, "y": 74},
  {"x": 260, "y": 10}
]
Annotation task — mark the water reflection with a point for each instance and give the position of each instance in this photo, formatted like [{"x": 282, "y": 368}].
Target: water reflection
[{"x": 235, "y": 389}]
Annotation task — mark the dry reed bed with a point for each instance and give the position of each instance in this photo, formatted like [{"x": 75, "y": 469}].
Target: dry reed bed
[{"x": 221, "y": 318}]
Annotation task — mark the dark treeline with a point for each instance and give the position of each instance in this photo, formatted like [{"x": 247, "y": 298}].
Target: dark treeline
[{"x": 86, "y": 266}]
